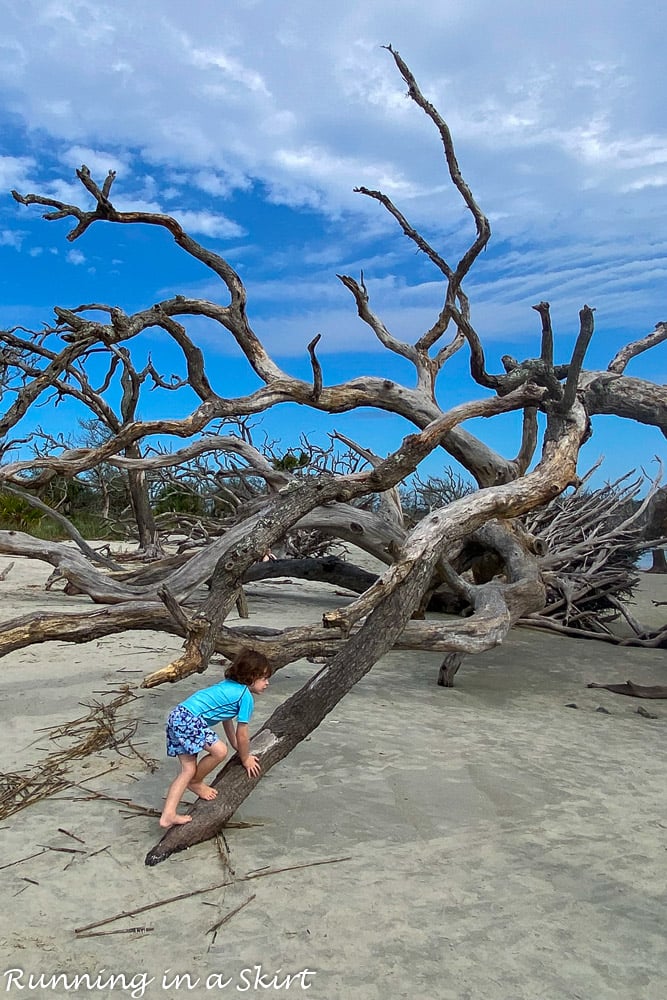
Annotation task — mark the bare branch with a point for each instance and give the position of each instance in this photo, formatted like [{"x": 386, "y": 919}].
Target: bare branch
[
  {"x": 408, "y": 230},
  {"x": 547, "y": 351},
  {"x": 80, "y": 460},
  {"x": 619, "y": 362},
  {"x": 360, "y": 293},
  {"x": 579, "y": 353},
  {"x": 317, "y": 368},
  {"x": 481, "y": 222},
  {"x": 528, "y": 440},
  {"x": 477, "y": 362}
]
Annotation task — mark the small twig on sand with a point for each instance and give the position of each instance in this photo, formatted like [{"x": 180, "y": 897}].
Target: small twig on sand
[
  {"x": 99, "y": 851},
  {"x": 20, "y": 861},
  {"x": 63, "y": 850},
  {"x": 72, "y": 835},
  {"x": 122, "y": 930},
  {"x": 92, "y": 794},
  {"x": 261, "y": 872},
  {"x": 150, "y": 906},
  {"x": 84, "y": 781},
  {"x": 228, "y": 916},
  {"x": 240, "y": 825},
  {"x": 223, "y": 851}
]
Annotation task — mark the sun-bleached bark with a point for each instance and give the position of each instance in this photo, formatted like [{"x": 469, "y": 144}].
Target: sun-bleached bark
[
  {"x": 431, "y": 556},
  {"x": 400, "y": 591}
]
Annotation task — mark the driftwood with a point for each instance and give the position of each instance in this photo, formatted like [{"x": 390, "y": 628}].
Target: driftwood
[
  {"x": 657, "y": 526},
  {"x": 653, "y": 639},
  {"x": 592, "y": 540},
  {"x": 634, "y": 690},
  {"x": 402, "y": 589},
  {"x": 428, "y": 560},
  {"x": 64, "y": 522},
  {"x": 329, "y": 569},
  {"x": 303, "y": 712}
]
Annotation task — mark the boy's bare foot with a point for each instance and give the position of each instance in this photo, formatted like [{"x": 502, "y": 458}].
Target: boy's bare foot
[
  {"x": 167, "y": 821},
  {"x": 202, "y": 790}
]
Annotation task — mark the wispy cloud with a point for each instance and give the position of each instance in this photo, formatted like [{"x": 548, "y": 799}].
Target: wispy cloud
[
  {"x": 209, "y": 224},
  {"x": 15, "y": 171},
  {"x": 12, "y": 238},
  {"x": 561, "y": 134}
]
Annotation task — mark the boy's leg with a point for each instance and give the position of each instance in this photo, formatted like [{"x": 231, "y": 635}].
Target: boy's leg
[
  {"x": 213, "y": 755},
  {"x": 176, "y": 791}
]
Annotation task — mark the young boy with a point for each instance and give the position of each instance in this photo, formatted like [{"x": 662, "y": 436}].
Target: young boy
[{"x": 189, "y": 732}]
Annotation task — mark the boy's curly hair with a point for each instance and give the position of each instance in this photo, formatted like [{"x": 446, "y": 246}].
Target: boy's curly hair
[{"x": 247, "y": 667}]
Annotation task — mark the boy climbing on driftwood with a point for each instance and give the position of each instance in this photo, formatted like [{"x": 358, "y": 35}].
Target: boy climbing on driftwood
[{"x": 189, "y": 730}]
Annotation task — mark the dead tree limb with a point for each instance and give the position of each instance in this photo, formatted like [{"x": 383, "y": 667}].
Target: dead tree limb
[
  {"x": 634, "y": 690},
  {"x": 65, "y": 523},
  {"x": 402, "y": 588},
  {"x": 304, "y": 711}
]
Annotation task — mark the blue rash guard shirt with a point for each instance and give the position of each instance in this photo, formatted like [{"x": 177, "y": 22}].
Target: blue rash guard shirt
[{"x": 226, "y": 700}]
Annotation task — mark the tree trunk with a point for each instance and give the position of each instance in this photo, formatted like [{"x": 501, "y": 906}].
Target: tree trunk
[
  {"x": 143, "y": 512},
  {"x": 656, "y": 527},
  {"x": 328, "y": 569},
  {"x": 448, "y": 670},
  {"x": 304, "y": 711},
  {"x": 659, "y": 561}
]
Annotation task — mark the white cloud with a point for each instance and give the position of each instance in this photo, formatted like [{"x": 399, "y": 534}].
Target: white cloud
[
  {"x": 218, "y": 183},
  {"x": 12, "y": 238},
  {"x": 15, "y": 171},
  {"x": 208, "y": 224},
  {"x": 75, "y": 257},
  {"x": 230, "y": 68},
  {"x": 98, "y": 161}
]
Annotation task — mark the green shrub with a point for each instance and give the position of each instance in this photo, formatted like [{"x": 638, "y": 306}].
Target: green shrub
[{"x": 17, "y": 515}]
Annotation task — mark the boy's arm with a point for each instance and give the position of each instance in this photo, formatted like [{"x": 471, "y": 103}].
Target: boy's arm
[
  {"x": 249, "y": 761},
  {"x": 230, "y": 732}
]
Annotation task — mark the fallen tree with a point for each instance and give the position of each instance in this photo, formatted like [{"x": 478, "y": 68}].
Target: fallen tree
[
  {"x": 359, "y": 503},
  {"x": 400, "y": 591}
]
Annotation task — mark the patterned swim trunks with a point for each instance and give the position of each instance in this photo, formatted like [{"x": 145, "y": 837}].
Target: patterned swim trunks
[{"x": 187, "y": 733}]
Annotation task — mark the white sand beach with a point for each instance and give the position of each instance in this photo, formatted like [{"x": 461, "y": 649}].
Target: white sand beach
[{"x": 499, "y": 844}]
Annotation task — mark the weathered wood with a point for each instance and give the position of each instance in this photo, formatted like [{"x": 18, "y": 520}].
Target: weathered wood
[
  {"x": 448, "y": 669},
  {"x": 84, "y": 626},
  {"x": 327, "y": 569},
  {"x": 656, "y": 525},
  {"x": 285, "y": 508},
  {"x": 302, "y": 713},
  {"x": 435, "y": 550},
  {"x": 7, "y": 570},
  {"x": 242, "y": 603},
  {"x": 401, "y": 590},
  {"x": 634, "y": 690}
]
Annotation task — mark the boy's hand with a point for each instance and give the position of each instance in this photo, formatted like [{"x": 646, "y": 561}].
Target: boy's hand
[{"x": 252, "y": 766}]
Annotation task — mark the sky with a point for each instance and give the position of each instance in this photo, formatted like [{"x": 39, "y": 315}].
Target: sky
[{"x": 252, "y": 122}]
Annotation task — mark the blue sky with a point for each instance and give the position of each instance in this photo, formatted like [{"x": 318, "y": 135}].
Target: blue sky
[{"x": 253, "y": 121}]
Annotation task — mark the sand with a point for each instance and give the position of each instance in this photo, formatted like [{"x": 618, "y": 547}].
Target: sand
[{"x": 500, "y": 845}]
